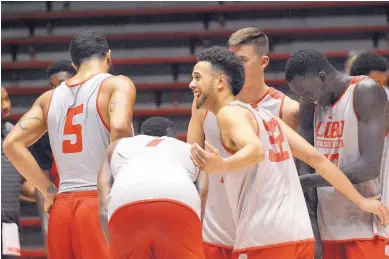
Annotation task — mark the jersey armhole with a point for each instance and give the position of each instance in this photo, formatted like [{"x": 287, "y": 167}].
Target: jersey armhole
[
  {"x": 97, "y": 104},
  {"x": 355, "y": 113},
  {"x": 281, "y": 106},
  {"x": 46, "y": 110}
]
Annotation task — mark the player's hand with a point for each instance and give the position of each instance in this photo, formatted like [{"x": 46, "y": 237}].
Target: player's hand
[
  {"x": 48, "y": 204},
  {"x": 208, "y": 161},
  {"x": 373, "y": 205},
  {"x": 49, "y": 198}
]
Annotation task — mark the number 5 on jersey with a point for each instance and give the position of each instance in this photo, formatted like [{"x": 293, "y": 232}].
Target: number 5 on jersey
[{"x": 72, "y": 129}]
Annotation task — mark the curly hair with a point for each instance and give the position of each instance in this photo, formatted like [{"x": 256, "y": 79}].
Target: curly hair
[
  {"x": 367, "y": 62},
  {"x": 226, "y": 62},
  {"x": 60, "y": 66},
  {"x": 304, "y": 62},
  {"x": 158, "y": 127}
]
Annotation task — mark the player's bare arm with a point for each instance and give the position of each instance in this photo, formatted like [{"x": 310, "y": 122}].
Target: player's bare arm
[
  {"x": 104, "y": 185},
  {"x": 290, "y": 113},
  {"x": 28, "y": 130},
  {"x": 240, "y": 134},
  {"x": 202, "y": 184},
  {"x": 369, "y": 105},
  {"x": 302, "y": 150},
  {"x": 306, "y": 115},
  {"x": 118, "y": 106},
  {"x": 195, "y": 132}
]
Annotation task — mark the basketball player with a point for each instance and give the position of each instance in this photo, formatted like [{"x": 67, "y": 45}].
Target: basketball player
[
  {"x": 347, "y": 125},
  {"x": 252, "y": 46},
  {"x": 261, "y": 179},
  {"x": 374, "y": 66},
  {"x": 377, "y": 68},
  {"x": 154, "y": 207},
  {"x": 57, "y": 72},
  {"x": 82, "y": 116}
]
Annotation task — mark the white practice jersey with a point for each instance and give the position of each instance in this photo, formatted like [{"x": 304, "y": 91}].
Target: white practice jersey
[
  {"x": 148, "y": 168},
  {"x": 385, "y": 177},
  {"x": 218, "y": 225},
  {"x": 78, "y": 137},
  {"x": 336, "y": 136},
  {"x": 266, "y": 199}
]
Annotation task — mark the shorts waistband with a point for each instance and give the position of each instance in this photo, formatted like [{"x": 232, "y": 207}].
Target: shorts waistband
[{"x": 76, "y": 195}]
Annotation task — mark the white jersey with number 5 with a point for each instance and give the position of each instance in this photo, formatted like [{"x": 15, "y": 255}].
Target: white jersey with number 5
[
  {"x": 148, "y": 168},
  {"x": 267, "y": 200},
  {"x": 218, "y": 226},
  {"x": 336, "y": 136},
  {"x": 78, "y": 137}
]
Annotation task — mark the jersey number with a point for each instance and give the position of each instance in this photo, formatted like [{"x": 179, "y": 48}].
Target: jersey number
[
  {"x": 334, "y": 158},
  {"x": 154, "y": 142},
  {"x": 72, "y": 129},
  {"x": 276, "y": 153}
]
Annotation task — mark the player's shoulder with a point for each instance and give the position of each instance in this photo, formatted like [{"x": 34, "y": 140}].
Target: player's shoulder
[
  {"x": 369, "y": 98},
  {"x": 276, "y": 94},
  {"x": 120, "y": 81},
  {"x": 231, "y": 113},
  {"x": 368, "y": 89},
  {"x": 367, "y": 84}
]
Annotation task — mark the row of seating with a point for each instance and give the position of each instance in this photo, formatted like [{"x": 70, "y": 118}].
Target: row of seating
[{"x": 202, "y": 8}]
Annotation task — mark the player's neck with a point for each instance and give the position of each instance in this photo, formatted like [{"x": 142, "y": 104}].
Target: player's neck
[
  {"x": 338, "y": 82},
  {"x": 87, "y": 70},
  {"x": 221, "y": 102},
  {"x": 252, "y": 93}
]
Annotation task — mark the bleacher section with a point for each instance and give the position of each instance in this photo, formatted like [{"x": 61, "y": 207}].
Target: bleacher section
[{"x": 155, "y": 43}]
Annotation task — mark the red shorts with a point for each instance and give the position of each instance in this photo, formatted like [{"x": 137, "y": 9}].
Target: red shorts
[
  {"x": 157, "y": 229},
  {"x": 214, "y": 251},
  {"x": 300, "y": 250},
  {"x": 356, "y": 249},
  {"x": 74, "y": 227}
]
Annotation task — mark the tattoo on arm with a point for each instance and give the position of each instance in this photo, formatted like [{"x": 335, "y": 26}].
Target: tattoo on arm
[
  {"x": 52, "y": 188},
  {"x": 113, "y": 105},
  {"x": 20, "y": 123}
]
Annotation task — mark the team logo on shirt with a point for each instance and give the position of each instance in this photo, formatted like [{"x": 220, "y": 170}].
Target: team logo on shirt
[{"x": 330, "y": 135}]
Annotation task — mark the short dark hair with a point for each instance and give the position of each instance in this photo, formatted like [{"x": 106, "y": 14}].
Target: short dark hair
[
  {"x": 158, "y": 127},
  {"x": 228, "y": 63},
  {"x": 87, "y": 45},
  {"x": 367, "y": 62},
  {"x": 60, "y": 66},
  {"x": 305, "y": 62},
  {"x": 252, "y": 36}
]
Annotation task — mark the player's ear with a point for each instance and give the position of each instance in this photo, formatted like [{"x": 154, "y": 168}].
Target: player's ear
[
  {"x": 222, "y": 82},
  {"x": 323, "y": 76},
  {"x": 264, "y": 61},
  {"x": 75, "y": 67},
  {"x": 108, "y": 56}
]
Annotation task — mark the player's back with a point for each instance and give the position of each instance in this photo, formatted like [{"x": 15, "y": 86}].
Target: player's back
[
  {"x": 266, "y": 199},
  {"x": 149, "y": 168},
  {"x": 78, "y": 137}
]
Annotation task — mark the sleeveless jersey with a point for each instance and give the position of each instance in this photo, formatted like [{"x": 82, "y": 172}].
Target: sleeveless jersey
[
  {"x": 336, "y": 136},
  {"x": 78, "y": 137},
  {"x": 385, "y": 178},
  {"x": 218, "y": 225},
  {"x": 266, "y": 199},
  {"x": 146, "y": 168}
]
